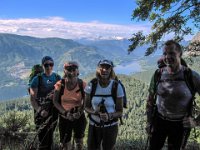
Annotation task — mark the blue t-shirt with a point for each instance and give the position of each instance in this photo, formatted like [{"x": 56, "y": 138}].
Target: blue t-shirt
[
  {"x": 46, "y": 83},
  {"x": 109, "y": 102}
]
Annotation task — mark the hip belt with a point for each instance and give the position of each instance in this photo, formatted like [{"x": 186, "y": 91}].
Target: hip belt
[{"x": 169, "y": 119}]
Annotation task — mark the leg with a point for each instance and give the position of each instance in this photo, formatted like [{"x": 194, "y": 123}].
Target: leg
[
  {"x": 65, "y": 129},
  {"x": 94, "y": 138},
  {"x": 176, "y": 133},
  {"x": 79, "y": 131},
  {"x": 43, "y": 127},
  {"x": 109, "y": 137},
  {"x": 159, "y": 134}
]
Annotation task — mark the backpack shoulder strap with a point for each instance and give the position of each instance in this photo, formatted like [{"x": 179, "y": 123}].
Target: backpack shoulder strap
[
  {"x": 190, "y": 84},
  {"x": 57, "y": 77},
  {"x": 62, "y": 89},
  {"x": 189, "y": 80},
  {"x": 157, "y": 77},
  {"x": 39, "y": 81},
  {"x": 114, "y": 90},
  {"x": 80, "y": 84},
  {"x": 94, "y": 87}
]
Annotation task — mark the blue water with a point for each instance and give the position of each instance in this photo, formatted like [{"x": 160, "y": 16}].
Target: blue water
[{"x": 128, "y": 68}]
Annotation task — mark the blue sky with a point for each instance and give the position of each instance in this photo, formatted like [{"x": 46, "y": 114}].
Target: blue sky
[
  {"x": 71, "y": 19},
  {"x": 107, "y": 11}
]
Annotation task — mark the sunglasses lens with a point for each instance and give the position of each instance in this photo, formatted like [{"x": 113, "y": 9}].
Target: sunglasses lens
[
  {"x": 47, "y": 65},
  {"x": 70, "y": 69},
  {"x": 105, "y": 67}
]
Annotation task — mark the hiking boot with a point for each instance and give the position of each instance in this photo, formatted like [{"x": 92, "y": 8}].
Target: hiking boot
[
  {"x": 79, "y": 144},
  {"x": 65, "y": 146}
]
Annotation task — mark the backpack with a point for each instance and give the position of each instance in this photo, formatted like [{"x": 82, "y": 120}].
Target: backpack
[
  {"x": 113, "y": 93},
  {"x": 81, "y": 89},
  {"x": 36, "y": 70}
]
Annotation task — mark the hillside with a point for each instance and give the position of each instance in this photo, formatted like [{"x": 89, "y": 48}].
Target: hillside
[{"x": 132, "y": 135}]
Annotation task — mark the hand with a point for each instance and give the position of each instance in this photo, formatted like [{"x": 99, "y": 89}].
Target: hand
[
  {"x": 77, "y": 115},
  {"x": 97, "y": 110},
  {"x": 69, "y": 116},
  {"x": 104, "y": 117},
  {"x": 50, "y": 96},
  {"x": 44, "y": 113},
  {"x": 189, "y": 122}
]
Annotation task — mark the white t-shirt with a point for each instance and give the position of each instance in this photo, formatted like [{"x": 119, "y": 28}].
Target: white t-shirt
[{"x": 109, "y": 102}]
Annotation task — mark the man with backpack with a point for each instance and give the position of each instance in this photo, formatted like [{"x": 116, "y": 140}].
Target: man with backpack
[
  {"x": 104, "y": 107},
  {"x": 41, "y": 95},
  {"x": 170, "y": 101},
  {"x": 69, "y": 100}
]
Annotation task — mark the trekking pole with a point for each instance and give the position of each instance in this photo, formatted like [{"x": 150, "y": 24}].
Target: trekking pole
[
  {"x": 73, "y": 145},
  {"x": 147, "y": 143},
  {"x": 42, "y": 126},
  {"x": 51, "y": 126}
]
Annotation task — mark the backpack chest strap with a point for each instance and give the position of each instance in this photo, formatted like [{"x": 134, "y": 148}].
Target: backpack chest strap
[
  {"x": 171, "y": 80},
  {"x": 102, "y": 95}
]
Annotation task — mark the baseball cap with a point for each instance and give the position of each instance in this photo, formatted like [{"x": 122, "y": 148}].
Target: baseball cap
[
  {"x": 47, "y": 58},
  {"x": 106, "y": 62}
]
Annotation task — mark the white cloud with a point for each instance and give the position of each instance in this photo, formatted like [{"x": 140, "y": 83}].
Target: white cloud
[{"x": 58, "y": 27}]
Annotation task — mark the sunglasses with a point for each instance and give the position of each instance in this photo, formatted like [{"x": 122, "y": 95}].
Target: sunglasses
[
  {"x": 70, "y": 69},
  {"x": 47, "y": 65}
]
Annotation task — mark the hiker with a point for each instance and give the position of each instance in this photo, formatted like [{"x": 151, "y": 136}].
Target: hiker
[
  {"x": 68, "y": 99},
  {"x": 170, "y": 100},
  {"x": 102, "y": 108},
  {"x": 45, "y": 115}
]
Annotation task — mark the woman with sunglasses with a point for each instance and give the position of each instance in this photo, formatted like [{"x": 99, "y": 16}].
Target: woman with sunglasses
[
  {"x": 68, "y": 99},
  {"x": 103, "y": 109},
  {"x": 45, "y": 114}
]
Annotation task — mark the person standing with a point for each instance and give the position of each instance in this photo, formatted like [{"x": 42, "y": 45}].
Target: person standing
[
  {"x": 104, "y": 105},
  {"x": 69, "y": 100},
  {"x": 41, "y": 95},
  {"x": 170, "y": 100}
]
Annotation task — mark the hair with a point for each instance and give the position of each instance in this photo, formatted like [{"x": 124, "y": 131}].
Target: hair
[
  {"x": 175, "y": 45},
  {"x": 111, "y": 76}
]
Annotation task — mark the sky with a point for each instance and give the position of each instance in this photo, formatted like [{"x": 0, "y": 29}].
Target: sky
[{"x": 70, "y": 19}]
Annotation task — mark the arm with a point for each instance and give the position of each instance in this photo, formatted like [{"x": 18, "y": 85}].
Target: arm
[
  {"x": 56, "y": 102},
  {"x": 119, "y": 109},
  {"x": 150, "y": 108},
  {"x": 150, "y": 105},
  {"x": 33, "y": 97},
  {"x": 88, "y": 105},
  {"x": 196, "y": 81}
]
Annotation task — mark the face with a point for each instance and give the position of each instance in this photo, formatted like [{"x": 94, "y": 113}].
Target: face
[
  {"x": 171, "y": 56},
  {"x": 71, "y": 71},
  {"x": 105, "y": 71},
  {"x": 48, "y": 66}
]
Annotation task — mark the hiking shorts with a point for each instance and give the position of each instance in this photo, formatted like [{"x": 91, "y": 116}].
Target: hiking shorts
[{"x": 66, "y": 127}]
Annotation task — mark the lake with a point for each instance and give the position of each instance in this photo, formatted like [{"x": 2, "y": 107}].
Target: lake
[{"x": 128, "y": 68}]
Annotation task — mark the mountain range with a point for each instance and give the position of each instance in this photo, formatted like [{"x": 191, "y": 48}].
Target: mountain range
[{"x": 19, "y": 53}]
